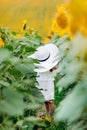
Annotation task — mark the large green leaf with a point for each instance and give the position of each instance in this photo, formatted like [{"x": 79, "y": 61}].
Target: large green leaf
[
  {"x": 25, "y": 68},
  {"x": 4, "y": 54},
  {"x": 12, "y": 102}
]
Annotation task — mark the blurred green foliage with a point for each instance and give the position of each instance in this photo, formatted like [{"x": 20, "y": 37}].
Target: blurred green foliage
[
  {"x": 19, "y": 97},
  {"x": 72, "y": 109}
]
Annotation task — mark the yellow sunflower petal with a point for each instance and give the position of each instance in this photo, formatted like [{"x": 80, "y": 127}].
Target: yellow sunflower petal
[
  {"x": 1, "y": 42},
  {"x": 78, "y": 10}
]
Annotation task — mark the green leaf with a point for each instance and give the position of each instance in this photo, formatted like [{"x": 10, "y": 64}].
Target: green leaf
[
  {"x": 33, "y": 106},
  {"x": 4, "y": 54},
  {"x": 74, "y": 104},
  {"x": 12, "y": 102},
  {"x": 33, "y": 119},
  {"x": 4, "y": 83},
  {"x": 25, "y": 68}
]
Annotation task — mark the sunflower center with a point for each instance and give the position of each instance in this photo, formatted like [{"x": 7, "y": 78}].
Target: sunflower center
[{"x": 62, "y": 21}]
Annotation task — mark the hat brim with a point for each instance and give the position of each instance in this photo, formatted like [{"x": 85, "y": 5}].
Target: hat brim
[{"x": 49, "y": 63}]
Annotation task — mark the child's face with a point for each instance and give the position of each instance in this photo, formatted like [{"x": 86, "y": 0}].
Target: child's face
[{"x": 54, "y": 68}]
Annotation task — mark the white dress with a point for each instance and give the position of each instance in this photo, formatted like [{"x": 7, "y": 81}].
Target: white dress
[{"x": 46, "y": 85}]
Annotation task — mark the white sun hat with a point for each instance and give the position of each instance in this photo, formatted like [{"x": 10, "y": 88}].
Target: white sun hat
[{"x": 47, "y": 56}]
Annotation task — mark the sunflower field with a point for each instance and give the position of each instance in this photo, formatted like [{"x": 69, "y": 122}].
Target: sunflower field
[{"x": 20, "y": 99}]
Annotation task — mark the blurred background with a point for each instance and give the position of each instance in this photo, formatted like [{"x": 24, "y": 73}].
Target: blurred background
[{"x": 38, "y": 13}]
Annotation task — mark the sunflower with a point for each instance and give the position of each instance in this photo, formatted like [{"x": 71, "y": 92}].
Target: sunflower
[
  {"x": 61, "y": 22},
  {"x": 1, "y": 42},
  {"x": 47, "y": 118},
  {"x": 24, "y": 25},
  {"x": 78, "y": 10}
]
